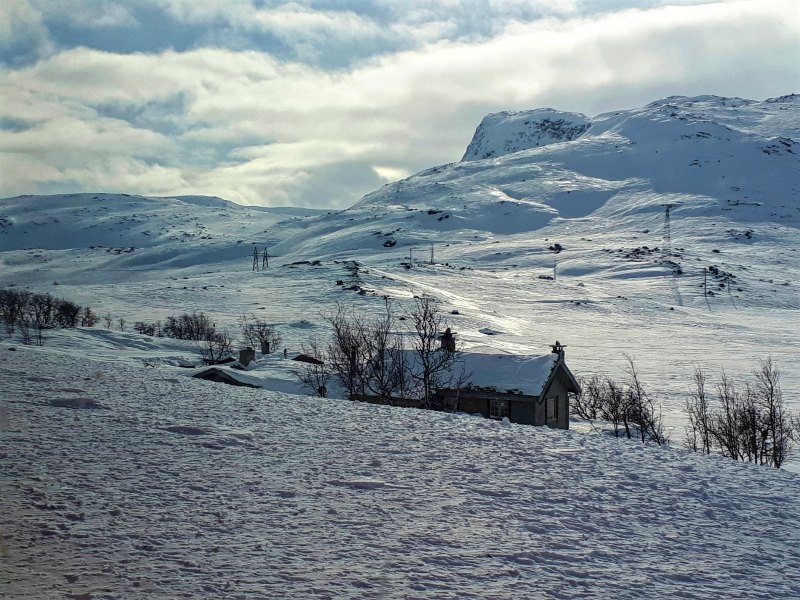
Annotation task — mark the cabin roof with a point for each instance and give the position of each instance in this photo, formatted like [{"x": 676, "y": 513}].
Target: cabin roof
[
  {"x": 227, "y": 375},
  {"x": 503, "y": 371},
  {"x": 308, "y": 359}
]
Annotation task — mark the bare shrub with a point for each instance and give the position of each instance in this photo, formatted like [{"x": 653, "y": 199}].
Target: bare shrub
[
  {"x": 588, "y": 403},
  {"x": 25, "y": 333},
  {"x": 367, "y": 356},
  {"x": 12, "y": 307},
  {"x": 698, "y": 409},
  {"x": 640, "y": 409},
  {"x": 433, "y": 368},
  {"x": 257, "y": 333},
  {"x": 626, "y": 406},
  {"x": 88, "y": 317},
  {"x": 189, "y": 326},
  {"x": 216, "y": 347},
  {"x": 753, "y": 425},
  {"x": 347, "y": 349},
  {"x": 314, "y": 375}
]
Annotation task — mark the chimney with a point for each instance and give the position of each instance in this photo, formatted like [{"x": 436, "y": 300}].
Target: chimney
[
  {"x": 448, "y": 340},
  {"x": 247, "y": 356},
  {"x": 558, "y": 349}
]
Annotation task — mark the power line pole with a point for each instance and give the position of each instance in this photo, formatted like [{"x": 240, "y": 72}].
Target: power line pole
[
  {"x": 666, "y": 251},
  {"x": 255, "y": 258},
  {"x": 265, "y": 260},
  {"x": 431, "y": 252}
]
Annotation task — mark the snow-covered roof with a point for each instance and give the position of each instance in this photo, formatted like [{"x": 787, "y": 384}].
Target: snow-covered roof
[
  {"x": 525, "y": 373},
  {"x": 234, "y": 374}
]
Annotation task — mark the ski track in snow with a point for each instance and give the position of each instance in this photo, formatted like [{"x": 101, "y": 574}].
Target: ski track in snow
[{"x": 140, "y": 484}]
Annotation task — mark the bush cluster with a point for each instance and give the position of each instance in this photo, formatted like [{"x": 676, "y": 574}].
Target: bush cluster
[
  {"x": 748, "y": 422},
  {"x": 192, "y": 326},
  {"x": 24, "y": 309},
  {"x": 626, "y": 405}
]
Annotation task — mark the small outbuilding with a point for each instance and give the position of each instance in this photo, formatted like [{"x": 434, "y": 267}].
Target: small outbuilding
[
  {"x": 308, "y": 359},
  {"x": 225, "y": 375},
  {"x": 527, "y": 389}
]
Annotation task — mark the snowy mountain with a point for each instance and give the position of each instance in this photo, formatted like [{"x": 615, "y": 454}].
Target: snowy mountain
[
  {"x": 668, "y": 233},
  {"x": 508, "y": 132}
]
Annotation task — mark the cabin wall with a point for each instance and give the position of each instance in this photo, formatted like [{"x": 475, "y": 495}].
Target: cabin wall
[
  {"x": 522, "y": 412},
  {"x": 557, "y": 391},
  {"x": 474, "y": 405}
]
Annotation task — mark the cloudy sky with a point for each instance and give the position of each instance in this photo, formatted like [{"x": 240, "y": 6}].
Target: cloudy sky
[{"x": 315, "y": 103}]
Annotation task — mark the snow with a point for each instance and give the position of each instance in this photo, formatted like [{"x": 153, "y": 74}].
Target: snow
[
  {"x": 508, "y": 132},
  {"x": 184, "y": 488},
  {"x": 198, "y": 489},
  {"x": 529, "y": 374}
]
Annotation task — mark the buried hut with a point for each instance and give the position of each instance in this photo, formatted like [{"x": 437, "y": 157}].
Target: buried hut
[
  {"x": 533, "y": 390},
  {"x": 226, "y": 375}
]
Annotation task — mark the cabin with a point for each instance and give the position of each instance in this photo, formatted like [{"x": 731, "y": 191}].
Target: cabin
[{"x": 533, "y": 390}]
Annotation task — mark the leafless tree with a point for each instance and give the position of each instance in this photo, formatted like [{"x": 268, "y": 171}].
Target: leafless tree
[
  {"x": 88, "y": 317},
  {"x": 588, "y": 403},
  {"x": 189, "y": 326},
  {"x": 626, "y": 406},
  {"x": 778, "y": 426},
  {"x": 108, "y": 319},
  {"x": 315, "y": 376},
  {"x": 67, "y": 313},
  {"x": 12, "y": 307},
  {"x": 217, "y": 346},
  {"x": 42, "y": 307},
  {"x": 25, "y": 333},
  {"x": 698, "y": 409},
  {"x": 640, "y": 410},
  {"x": 725, "y": 422},
  {"x": 347, "y": 353},
  {"x": 433, "y": 366},
  {"x": 613, "y": 408},
  {"x": 257, "y": 333},
  {"x": 384, "y": 376}
]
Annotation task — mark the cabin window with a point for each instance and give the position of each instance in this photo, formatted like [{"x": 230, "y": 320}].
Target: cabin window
[
  {"x": 552, "y": 408},
  {"x": 498, "y": 409}
]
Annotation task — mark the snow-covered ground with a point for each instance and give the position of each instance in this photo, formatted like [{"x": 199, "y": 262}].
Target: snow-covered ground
[
  {"x": 125, "y": 481},
  {"x": 294, "y": 495}
]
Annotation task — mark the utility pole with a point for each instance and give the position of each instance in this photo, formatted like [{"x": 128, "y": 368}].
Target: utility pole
[
  {"x": 666, "y": 250},
  {"x": 410, "y": 256},
  {"x": 554, "y": 269},
  {"x": 265, "y": 259},
  {"x": 255, "y": 258},
  {"x": 431, "y": 252}
]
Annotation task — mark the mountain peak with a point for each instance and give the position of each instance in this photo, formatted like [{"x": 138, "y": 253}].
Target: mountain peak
[{"x": 511, "y": 131}]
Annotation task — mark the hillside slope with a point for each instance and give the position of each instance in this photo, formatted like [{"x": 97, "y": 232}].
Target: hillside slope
[{"x": 126, "y": 481}]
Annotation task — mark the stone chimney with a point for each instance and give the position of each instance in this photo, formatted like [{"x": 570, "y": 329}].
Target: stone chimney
[
  {"x": 448, "y": 341},
  {"x": 247, "y": 356}
]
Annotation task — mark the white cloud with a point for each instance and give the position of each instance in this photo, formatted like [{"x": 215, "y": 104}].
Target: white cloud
[
  {"x": 22, "y": 24},
  {"x": 290, "y": 133},
  {"x": 389, "y": 174}
]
